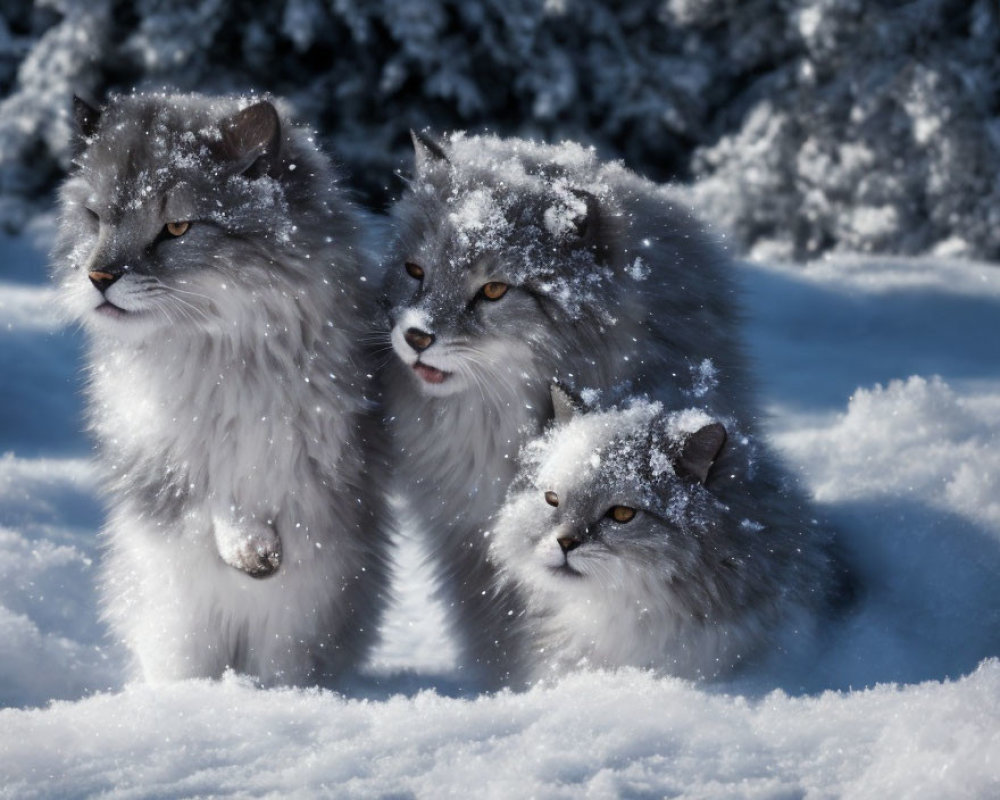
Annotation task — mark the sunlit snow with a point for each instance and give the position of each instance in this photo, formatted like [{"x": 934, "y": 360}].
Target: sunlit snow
[{"x": 880, "y": 378}]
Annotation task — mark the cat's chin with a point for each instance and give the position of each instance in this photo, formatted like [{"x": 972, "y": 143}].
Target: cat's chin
[
  {"x": 109, "y": 320},
  {"x": 111, "y": 311},
  {"x": 565, "y": 572}
]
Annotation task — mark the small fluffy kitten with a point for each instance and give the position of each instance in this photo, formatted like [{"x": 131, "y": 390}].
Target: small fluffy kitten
[
  {"x": 212, "y": 260},
  {"x": 519, "y": 264},
  {"x": 634, "y": 537}
]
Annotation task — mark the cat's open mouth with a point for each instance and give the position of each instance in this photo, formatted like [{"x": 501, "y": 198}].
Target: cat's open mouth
[
  {"x": 109, "y": 309},
  {"x": 430, "y": 374}
]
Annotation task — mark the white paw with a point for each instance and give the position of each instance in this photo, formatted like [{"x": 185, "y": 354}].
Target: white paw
[{"x": 248, "y": 545}]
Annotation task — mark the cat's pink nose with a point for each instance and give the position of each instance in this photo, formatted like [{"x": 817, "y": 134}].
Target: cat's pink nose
[
  {"x": 102, "y": 280},
  {"x": 417, "y": 339},
  {"x": 568, "y": 543}
]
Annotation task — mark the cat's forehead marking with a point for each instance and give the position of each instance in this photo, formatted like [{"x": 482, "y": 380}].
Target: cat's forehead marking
[
  {"x": 478, "y": 270},
  {"x": 136, "y": 173},
  {"x": 179, "y": 202}
]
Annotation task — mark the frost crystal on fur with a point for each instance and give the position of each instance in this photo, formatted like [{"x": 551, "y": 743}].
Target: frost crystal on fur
[
  {"x": 227, "y": 389},
  {"x": 701, "y": 580},
  {"x": 606, "y": 285}
]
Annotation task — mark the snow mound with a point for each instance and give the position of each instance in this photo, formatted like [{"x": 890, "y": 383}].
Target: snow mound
[
  {"x": 882, "y": 382},
  {"x": 593, "y": 735},
  {"x": 913, "y": 437}
]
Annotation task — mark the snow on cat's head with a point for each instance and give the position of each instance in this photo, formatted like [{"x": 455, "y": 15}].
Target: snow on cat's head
[
  {"x": 505, "y": 248},
  {"x": 174, "y": 204}
]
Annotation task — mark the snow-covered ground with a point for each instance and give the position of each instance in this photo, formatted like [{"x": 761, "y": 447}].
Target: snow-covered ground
[{"x": 882, "y": 380}]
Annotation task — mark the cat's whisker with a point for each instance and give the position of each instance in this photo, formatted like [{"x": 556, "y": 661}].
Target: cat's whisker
[
  {"x": 380, "y": 361},
  {"x": 177, "y": 290},
  {"x": 467, "y": 366},
  {"x": 185, "y": 308},
  {"x": 479, "y": 383},
  {"x": 375, "y": 344},
  {"x": 493, "y": 389},
  {"x": 176, "y": 294},
  {"x": 173, "y": 314},
  {"x": 499, "y": 384},
  {"x": 188, "y": 304},
  {"x": 382, "y": 357},
  {"x": 172, "y": 303},
  {"x": 486, "y": 378},
  {"x": 376, "y": 336},
  {"x": 162, "y": 310},
  {"x": 187, "y": 313}
]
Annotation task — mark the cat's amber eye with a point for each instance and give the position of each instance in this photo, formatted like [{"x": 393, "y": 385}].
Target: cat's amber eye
[
  {"x": 552, "y": 499},
  {"x": 494, "y": 290},
  {"x": 621, "y": 513},
  {"x": 415, "y": 271},
  {"x": 177, "y": 228}
]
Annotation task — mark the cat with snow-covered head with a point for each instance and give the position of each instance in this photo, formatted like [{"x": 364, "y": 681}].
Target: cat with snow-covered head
[
  {"x": 518, "y": 264},
  {"x": 208, "y": 253},
  {"x": 636, "y": 537}
]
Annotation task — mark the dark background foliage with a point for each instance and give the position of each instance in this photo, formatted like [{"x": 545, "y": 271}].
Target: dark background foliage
[{"x": 801, "y": 126}]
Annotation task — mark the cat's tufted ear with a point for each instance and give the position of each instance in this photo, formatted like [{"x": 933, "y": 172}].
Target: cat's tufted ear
[
  {"x": 252, "y": 139},
  {"x": 564, "y": 405},
  {"x": 86, "y": 116},
  {"x": 427, "y": 152},
  {"x": 700, "y": 450},
  {"x": 587, "y": 224}
]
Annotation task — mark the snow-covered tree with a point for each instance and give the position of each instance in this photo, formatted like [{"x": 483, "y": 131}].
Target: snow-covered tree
[
  {"x": 808, "y": 125},
  {"x": 880, "y": 134}
]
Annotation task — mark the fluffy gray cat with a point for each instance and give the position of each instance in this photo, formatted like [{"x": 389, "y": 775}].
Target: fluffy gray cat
[
  {"x": 636, "y": 537},
  {"x": 214, "y": 263},
  {"x": 519, "y": 264}
]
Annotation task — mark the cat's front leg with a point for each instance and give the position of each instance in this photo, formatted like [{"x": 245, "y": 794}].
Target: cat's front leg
[{"x": 248, "y": 545}]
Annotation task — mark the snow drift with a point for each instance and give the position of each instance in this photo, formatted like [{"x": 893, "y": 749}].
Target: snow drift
[{"x": 880, "y": 377}]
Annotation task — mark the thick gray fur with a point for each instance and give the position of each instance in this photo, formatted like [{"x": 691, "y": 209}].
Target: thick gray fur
[
  {"x": 721, "y": 565},
  {"x": 616, "y": 291},
  {"x": 229, "y": 391}
]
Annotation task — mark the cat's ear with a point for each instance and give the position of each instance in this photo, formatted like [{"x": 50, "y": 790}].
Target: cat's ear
[
  {"x": 699, "y": 452},
  {"x": 587, "y": 224},
  {"x": 86, "y": 116},
  {"x": 565, "y": 406},
  {"x": 252, "y": 139},
  {"x": 427, "y": 152}
]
